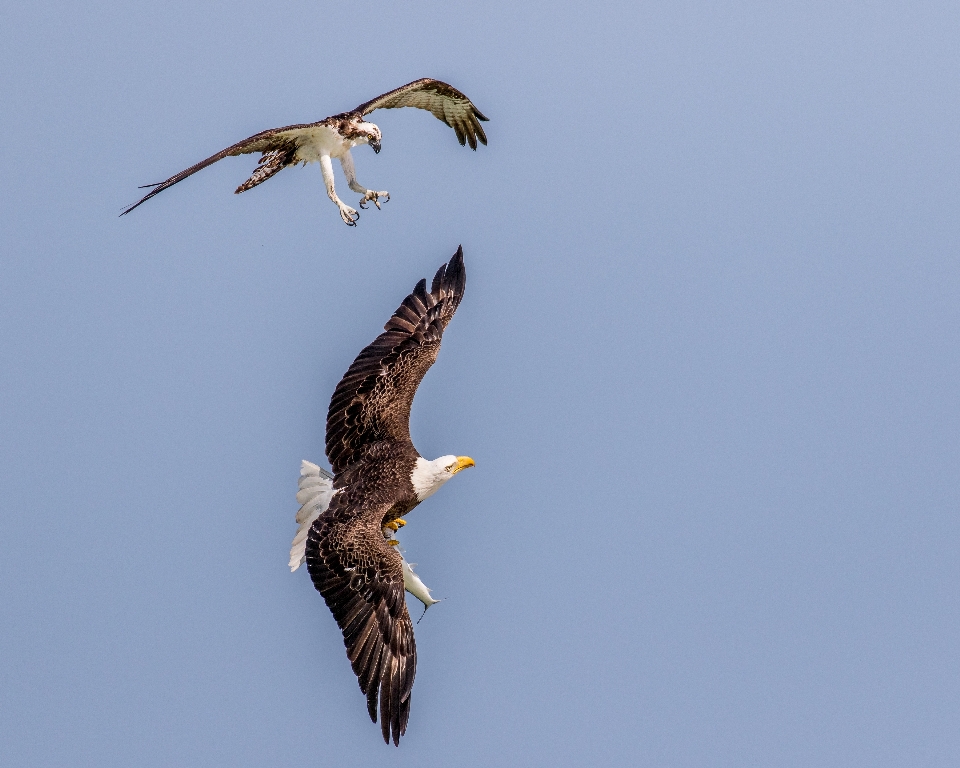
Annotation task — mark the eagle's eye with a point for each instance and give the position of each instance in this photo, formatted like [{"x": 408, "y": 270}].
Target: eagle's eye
[{"x": 461, "y": 462}]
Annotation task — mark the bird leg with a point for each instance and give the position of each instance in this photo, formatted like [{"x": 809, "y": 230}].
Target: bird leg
[
  {"x": 372, "y": 196},
  {"x": 348, "y": 214},
  {"x": 391, "y": 528},
  {"x": 369, "y": 195}
]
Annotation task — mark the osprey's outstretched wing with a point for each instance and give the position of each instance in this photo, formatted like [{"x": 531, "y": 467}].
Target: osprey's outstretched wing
[
  {"x": 372, "y": 401},
  {"x": 444, "y": 101},
  {"x": 279, "y": 148},
  {"x": 361, "y": 579}
]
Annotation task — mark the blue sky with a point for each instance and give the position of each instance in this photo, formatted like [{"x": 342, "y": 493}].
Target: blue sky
[{"x": 706, "y": 364}]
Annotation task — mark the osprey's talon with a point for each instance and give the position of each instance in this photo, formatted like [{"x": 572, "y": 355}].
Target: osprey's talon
[
  {"x": 374, "y": 197},
  {"x": 349, "y": 216}
]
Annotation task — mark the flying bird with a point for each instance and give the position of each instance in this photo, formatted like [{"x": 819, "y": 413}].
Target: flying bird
[
  {"x": 334, "y": 137},
  {"x": 348, "y": 520}
]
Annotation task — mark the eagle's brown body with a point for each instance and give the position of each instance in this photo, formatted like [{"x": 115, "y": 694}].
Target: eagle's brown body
[{"x": 374, "y": 462}]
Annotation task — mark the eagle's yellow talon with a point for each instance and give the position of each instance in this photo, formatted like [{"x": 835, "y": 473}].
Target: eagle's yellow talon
[
  {"x": 400, "y": 522},
  {"x": 392, "y": 525},
  {"x": 392, "y": 542}
]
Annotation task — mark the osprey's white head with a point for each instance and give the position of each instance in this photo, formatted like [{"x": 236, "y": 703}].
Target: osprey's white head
[
  {"x": 372, "y": 135},
  {"x": 428, "y": 476}
]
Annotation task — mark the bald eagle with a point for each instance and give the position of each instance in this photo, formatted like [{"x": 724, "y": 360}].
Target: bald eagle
[
  {"x": 334, "y": 137},
  {"x": 348, "y": 520}
]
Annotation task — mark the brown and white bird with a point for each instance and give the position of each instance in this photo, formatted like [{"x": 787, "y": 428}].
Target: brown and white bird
[
  {"x": 333, "y": 138},
  {"x": 348, "y": 522}
]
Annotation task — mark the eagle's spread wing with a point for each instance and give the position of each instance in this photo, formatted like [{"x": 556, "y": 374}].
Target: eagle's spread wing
[
  {"x": 444, "y": 101},
  {"x": 361, "y": 580},
  {"x": 372, "y": 401},
  {"x": 279, "y": 148}
]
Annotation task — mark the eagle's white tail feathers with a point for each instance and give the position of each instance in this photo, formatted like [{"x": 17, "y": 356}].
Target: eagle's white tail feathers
[{"x": 316, "y": 490}]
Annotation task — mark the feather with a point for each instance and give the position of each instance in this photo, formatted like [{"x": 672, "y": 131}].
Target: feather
[{"x": 316, "y": 490}]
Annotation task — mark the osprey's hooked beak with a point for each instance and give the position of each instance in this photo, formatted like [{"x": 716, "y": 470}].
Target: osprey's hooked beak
[
  {"x": 462, "y": 462},
  {"x": 376, "y": 145}
]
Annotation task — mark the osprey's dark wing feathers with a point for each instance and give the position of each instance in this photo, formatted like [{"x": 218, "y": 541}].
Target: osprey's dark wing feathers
[
  {"x": 444, "y": 101},
  {"x": 372, "y": 401},
  {"x": 277, "y": 145},
  {"x": 361, "y": 580}
]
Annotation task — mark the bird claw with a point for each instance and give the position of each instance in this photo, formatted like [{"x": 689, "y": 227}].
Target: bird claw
[
  {"x": 349, "y": 215},
  {"x": 374, "y": 197}
]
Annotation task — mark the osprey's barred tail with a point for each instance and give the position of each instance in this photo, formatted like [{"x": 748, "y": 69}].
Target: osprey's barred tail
[{"x": 316, "y": 490}]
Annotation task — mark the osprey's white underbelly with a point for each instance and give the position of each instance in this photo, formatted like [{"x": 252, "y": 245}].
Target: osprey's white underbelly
[{"x": 319, "y": 140}]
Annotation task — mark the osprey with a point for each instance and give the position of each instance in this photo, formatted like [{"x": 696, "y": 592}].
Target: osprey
[
  {"x": 348, "y": 521},
  {"x": 334, "y": 137}
]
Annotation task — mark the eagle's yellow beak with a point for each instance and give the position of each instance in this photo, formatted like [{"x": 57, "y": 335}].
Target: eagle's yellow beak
[{"x": 462, "y": 463}]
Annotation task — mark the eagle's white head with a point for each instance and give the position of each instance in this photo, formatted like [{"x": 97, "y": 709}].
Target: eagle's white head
[{"x": 428, "y": 476}]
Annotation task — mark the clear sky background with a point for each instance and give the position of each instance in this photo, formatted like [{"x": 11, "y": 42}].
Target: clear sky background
[{"x": 706, "y": 363}]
